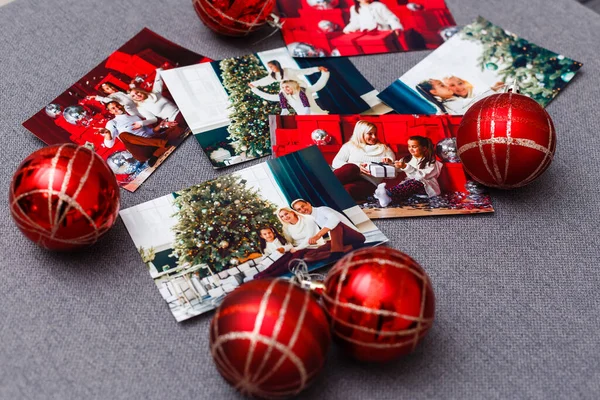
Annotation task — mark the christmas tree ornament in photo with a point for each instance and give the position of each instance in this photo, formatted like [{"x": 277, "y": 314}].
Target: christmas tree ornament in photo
[{"x": 64, "y": 197}]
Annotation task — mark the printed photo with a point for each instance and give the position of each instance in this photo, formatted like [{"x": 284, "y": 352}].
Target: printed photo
[
  {"x": 227, "y": 103},
  {"x": 204, "y": 241},
  {"x": 330, "y": 28},
  {"x": 391, "y": 165},
  {"x": 121, "y": 109},
  {"x": 480, "y": 60}
]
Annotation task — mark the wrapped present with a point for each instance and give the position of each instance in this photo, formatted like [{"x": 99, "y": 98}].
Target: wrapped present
[
  {"x": 271, "y": 258},
  {"x": 381, "y": 170}
]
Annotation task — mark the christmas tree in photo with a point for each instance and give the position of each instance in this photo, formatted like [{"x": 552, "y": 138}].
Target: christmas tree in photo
[
  {"x": 538, "y": 72},
  {"x": 218, "y": 223},
  {"x": 249, "y": 114}
]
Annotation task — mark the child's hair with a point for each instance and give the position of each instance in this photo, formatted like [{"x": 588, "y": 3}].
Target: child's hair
[
  {"x": 357, "y": 5},
  {"x": 278, "y": 65},
  {"x": 427, "y": 144},
  {"x": 101, "y": 90},
  {"x": 293, "y": 83},
  {"x": 425, "y": 88},
  {"x": 263, "y": 243}
]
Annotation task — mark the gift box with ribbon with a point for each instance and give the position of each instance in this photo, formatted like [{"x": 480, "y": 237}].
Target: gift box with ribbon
[{"x": 381, "y": 170}]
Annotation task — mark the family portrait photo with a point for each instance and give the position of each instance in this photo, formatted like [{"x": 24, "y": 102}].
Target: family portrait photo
[
  {"x": 121, "y": 109},
  {"x": 480, "y": 60},
  {"x": 227, "y": 103},
  {"x": 391, "y": 165},
  {"x": 204, "y": 241},
  {"x": 330, "y": 28}
]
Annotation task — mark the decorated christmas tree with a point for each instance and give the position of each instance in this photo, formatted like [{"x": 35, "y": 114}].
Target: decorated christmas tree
[
  {"x": 218, "y": 222},
  {"x": 249, "y": 114},
  {"x": 539, "y": 73}
]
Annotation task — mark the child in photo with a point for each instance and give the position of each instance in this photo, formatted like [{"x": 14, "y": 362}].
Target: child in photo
[
  {"x": 114, "y": 93},
  {"x": 372, "y": 15},
  {"x": 271, "y": 241},
  {"x": 280, "y": 74},
  {"x": 422, "y": 170},
  {"x": 292, "y": 96},
  {"x": 463, "y": 89}
]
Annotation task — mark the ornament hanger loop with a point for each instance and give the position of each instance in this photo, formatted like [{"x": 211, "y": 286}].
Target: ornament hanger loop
[{"x": 312, "y": 282}]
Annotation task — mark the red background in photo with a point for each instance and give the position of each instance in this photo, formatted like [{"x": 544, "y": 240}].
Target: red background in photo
[
  {"x": 301, "y": 25},
  {"x": 139, "y": 57},
  {"x": 293, "y": 133}
]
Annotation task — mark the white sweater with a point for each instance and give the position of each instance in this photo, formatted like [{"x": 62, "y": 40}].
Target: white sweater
[
  {"x": 350, "y": 154},
  {"x": 375, "y": 16},
  {"x": 123, "y": 99},
  {"x": 427, "y": 176},
  {"x": 289, "y": 74},
  {"x": 276, "y": 244},
  {"x": 156, "y": 106}
]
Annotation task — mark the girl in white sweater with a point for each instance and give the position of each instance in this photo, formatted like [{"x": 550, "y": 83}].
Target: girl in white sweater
[
  {"x": 271, "y": 241},
  {"x": 152, "y": 105},
  {"x": 422, "y": 170},
  {"x": 351, "y": 162},
  {"x": 369, "y": 15}
]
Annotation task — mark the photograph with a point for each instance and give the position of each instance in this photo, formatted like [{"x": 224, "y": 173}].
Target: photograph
[
  {"x": 227, "y": 103},
  {"x": 264, "y": 221},
  {"x": 121, "y": 109},
  {"x": 478, "y": 61},
  {"x": 391, "y": 165},
  {"x": 334, "y": 28}
]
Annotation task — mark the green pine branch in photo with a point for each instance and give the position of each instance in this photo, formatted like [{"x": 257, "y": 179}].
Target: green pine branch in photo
[
  {"x": 539, "y": 73},
  {"x": 218, "y": 221},
  {"x": 249, "y": 114}
]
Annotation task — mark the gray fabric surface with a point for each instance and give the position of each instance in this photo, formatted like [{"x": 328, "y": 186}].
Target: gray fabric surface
[{"x": 517, "y": 303}]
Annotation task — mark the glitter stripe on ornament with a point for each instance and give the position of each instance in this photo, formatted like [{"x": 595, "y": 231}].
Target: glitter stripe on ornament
[
  {"x": 503, "y": 140},
  {"x": 508, "y": 136},
  {"x": 479, "y": 140},
  {"x": 498, "y": 177},
  {"x": 250, "y": 25}
]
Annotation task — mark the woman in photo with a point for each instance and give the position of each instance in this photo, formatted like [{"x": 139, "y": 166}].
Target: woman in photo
[
  {"x": 152, "y": 105},
  {"x": 112, "y": 92},
  {"x": 293, "y": 97},
  {"x": 464, "y": 89},
  {"x": 297, "y": 231},
  {"x": 351, "y": 162},
  {"x": 371, "y": 15},
  {"x": 422, "y": 170},
  {"x": 280, "y": 74}
]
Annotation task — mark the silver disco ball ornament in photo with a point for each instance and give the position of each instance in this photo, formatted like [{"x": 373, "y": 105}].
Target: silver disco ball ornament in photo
[
  {"x": 448, "y": 32},
  {"x": 446, "y": 150},
  {"x": 122, "y": 162},
  {"x": 53, "y": 110},
  {"x": 76, "y": 115},
  {"x": 327, "y": 26},
  {"x": 320, "y": 137},
  {"x": 323, "y": 4},
  {"x": 474, "y": 188},
  {"x": 299, "y": 49}
]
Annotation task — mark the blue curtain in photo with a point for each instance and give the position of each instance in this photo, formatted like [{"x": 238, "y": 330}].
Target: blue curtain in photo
[
  {"x": 346, "y": 84},
  {"x": 306, "y": 175},
  {"x": 405, "y": 100}
]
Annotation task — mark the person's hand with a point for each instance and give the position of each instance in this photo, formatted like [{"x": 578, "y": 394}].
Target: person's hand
[
  {"x": 251, "y": 85},
  {"x": 398, "y": 32},
  {"x": 281, "y": 250},
  {"x": 90, "y": 97},
  {"x": 364, "y": 169},
  {"x": 497, "y": 86},
  {"x": 323, "y": 69},
  {"x": 400, "y": 164},
  {"x": 103, "y": 131},
  {"x": 293, "y": 250},
  {"x": 137, "y": 125},
  {"x": 313, "y": 240},
  {"x": 387, "y": 160},
  {"x": 168, "y": 124}
]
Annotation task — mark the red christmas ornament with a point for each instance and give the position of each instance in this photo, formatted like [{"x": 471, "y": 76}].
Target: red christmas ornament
[
  {"x": 506, "y": 140},
  {"x": 381, "y": 303},
  {"x": 269, "y": 338},
  {"x": 234, "y": 17},
  {"x": 64, "y": 197}
]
